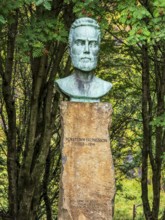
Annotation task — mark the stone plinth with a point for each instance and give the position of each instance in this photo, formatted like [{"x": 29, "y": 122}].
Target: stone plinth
[{"x": 87, "y": 182}]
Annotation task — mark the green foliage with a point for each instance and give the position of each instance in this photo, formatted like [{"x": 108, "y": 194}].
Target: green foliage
[
  {"x": 159, "y": 121},
  {"x": 35, "y": 35},
  {"x": 2, "y": 20},
  {"x": 89, "y": 8},
  {"x": 130, "y": 195},
  {"x": 143, "y": 25},
  {"x": 163, "y": 157},
  {"x": 3, "y": 177},
  {"x": 45, "y": 3},
  {"x": 126, "y": 198}
]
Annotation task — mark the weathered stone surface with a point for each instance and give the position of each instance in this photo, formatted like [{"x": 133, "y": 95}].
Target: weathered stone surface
[{"x": 87, "y": 182}]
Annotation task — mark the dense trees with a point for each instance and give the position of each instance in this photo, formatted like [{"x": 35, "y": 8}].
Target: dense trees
[
  {"x": 146, "y": 21},
  {"x": 28, "y": 74},
  {"x": 33, "y": 52}
]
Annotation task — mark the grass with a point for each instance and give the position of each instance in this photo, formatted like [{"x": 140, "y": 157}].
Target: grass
[{"x": 129, "y": 196}]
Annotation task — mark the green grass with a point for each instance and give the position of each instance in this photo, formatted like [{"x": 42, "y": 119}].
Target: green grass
[{"x": 129, "y": 196}]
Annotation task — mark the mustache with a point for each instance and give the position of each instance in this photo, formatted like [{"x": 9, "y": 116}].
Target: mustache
[{"x": 84, "y": 57}]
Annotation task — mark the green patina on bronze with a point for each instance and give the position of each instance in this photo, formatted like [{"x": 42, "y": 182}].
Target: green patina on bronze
[{"x": 83, "y": 85}]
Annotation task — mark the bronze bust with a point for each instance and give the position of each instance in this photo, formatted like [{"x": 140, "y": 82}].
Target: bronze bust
[{"x": 84, "y": 42}]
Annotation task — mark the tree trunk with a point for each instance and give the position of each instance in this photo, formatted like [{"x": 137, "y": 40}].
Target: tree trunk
[
  {"x": 152, "y": 150},
  {"x": 160, "y": 92},
  {"x": 11, "y": 114},
  {"x": 38, "y": 140},
  {"x": 146, "y": 131},
  {"x": 45, "y": 189}
]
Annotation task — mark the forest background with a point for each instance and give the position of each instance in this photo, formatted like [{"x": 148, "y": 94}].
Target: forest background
[{"x": 33, "y": 53}]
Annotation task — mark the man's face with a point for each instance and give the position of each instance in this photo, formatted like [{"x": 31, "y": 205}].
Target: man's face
[{"x": 85, "y": 47}]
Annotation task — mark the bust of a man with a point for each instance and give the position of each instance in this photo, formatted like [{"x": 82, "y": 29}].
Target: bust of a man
[{"x": 84, "y": 42}]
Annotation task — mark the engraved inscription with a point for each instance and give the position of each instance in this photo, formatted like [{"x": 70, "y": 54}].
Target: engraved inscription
[
  {"x": 90, "y": 205},
  {"x": 85, "y": 141}
]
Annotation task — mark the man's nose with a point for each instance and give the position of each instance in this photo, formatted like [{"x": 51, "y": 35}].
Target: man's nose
[{"x": 86, "y": 49}]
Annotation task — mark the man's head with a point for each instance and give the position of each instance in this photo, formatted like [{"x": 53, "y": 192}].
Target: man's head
[{"x": 84, "y": 41}]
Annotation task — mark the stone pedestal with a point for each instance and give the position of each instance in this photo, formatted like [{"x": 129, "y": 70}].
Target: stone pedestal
[{"x": 87, "y": 182}]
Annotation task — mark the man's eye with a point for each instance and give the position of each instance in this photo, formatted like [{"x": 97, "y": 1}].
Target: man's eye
[
  {"x": 93, "y": 43},
  {"x": 80, "y": 43}
]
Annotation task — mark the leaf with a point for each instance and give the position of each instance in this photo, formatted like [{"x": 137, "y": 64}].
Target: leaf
[
  {"x": 39, "y": 2},
  {"x": 2, "y": 20},
  {"x": 47, "y": 5}
]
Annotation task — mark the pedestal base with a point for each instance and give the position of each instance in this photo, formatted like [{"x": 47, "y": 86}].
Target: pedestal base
[{"x": 87, "y": 181}]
